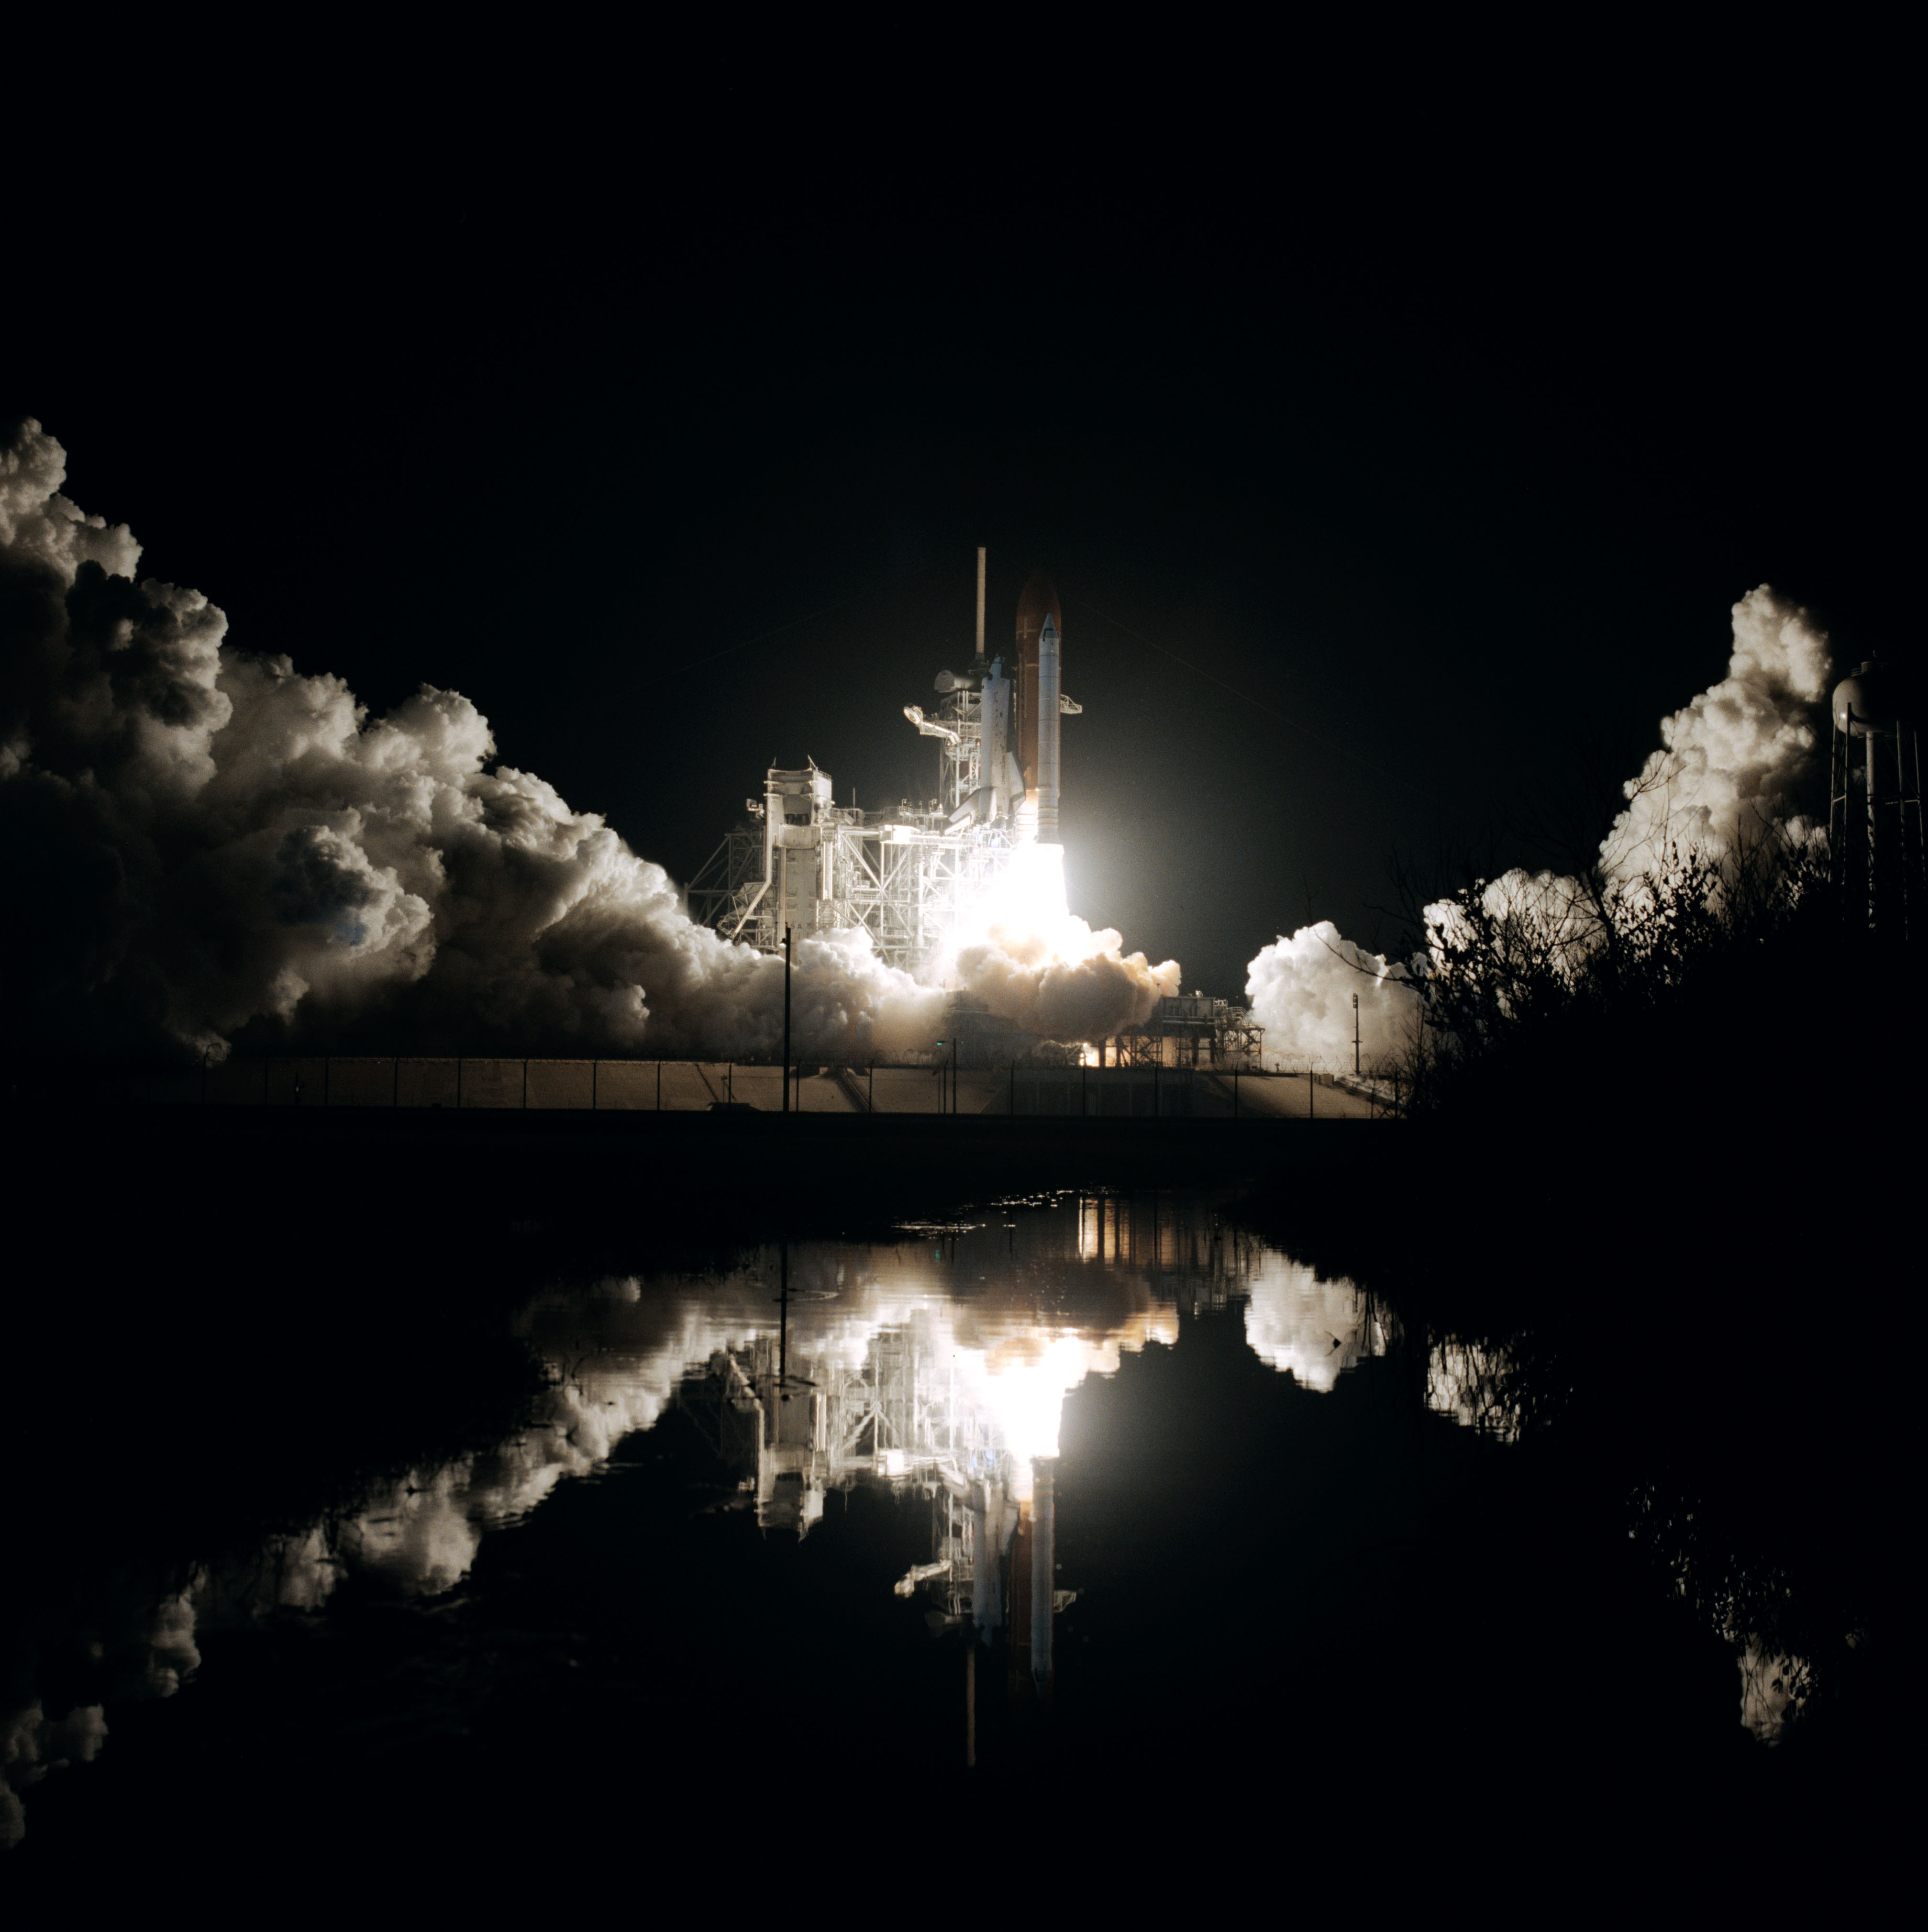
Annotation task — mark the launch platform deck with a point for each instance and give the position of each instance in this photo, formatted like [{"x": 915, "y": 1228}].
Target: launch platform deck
[{"x": 494, "y": 1084}]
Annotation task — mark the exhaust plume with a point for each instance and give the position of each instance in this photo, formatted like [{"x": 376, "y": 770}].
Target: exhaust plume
[
  {"x": 198, "y": 842},
  {"x": 1732, "y": 767},
  {"x": 1736, "y": 760},
  {"x": 1032, "y": 960},
  {"x": 1302, "y": 989}
]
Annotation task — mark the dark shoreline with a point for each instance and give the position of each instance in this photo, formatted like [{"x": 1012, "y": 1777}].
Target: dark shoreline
[{"x": 753, "y": 1175}]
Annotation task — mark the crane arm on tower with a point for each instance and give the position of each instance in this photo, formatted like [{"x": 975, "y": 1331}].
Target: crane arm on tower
[{"x": 915, "y": 712}]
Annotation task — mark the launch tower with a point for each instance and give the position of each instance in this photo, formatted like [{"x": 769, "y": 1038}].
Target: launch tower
[
  {"x": 1874, "y": 820},
  {"x": 801, "y": 861}
]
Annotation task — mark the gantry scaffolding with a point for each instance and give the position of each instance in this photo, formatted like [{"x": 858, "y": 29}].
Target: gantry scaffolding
[
  {"x": 1189, "y": 1030},
  {"x": 905, "y": 875},
  {"x": 791, "y": 1421},
  {"x": 801, "y": 863},
  {"x": 793, "y": 1425},
  {"x": 799, "y": 859}
]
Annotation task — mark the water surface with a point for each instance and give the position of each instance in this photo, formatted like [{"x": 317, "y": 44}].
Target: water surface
[{"x": 1090, "y": 1493}]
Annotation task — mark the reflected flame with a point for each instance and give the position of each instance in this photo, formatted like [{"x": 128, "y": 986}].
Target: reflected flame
[{"x": 1020, "y": 1384}]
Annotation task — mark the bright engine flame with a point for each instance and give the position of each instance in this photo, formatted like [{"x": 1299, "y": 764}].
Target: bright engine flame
[
  {"x": 1021, "y": 950},
  {"x": 1025, "y": 909}
]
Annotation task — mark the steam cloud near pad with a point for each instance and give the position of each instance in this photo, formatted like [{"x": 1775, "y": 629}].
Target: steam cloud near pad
[
  {"x": 195, "y": 839},
  {"x": 1731, "y": 764}
]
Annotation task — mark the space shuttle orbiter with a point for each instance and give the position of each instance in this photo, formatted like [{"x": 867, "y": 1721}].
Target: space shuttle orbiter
[{"x": 1018, "y": 711}]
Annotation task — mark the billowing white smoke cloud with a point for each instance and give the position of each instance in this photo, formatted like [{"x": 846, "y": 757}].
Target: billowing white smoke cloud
[
  {"x": 1302, "y": 990},
  {"x": 1734, "y": 761},
  {"x": 194, "y": 839},
  {"x": 1027, "y": 956},
  {"x": 1732, "y": 766},
  {"x": 1083, "y": 988}
]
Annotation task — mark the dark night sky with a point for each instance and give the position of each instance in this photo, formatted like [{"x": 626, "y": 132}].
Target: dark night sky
[{"x": 1438, "y": 444}]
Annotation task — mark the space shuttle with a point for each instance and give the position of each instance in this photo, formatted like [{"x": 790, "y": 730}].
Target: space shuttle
[{"x": 1016, "y": 717}]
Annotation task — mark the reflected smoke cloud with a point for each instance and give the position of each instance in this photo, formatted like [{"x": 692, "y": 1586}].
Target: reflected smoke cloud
[{"x": 1310, "y": 1329}]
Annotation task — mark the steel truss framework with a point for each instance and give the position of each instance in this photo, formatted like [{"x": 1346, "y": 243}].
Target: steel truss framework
[
  {"x": 907, "y": 877},
  {"x": 903, "y": 876},
  {"x": 1877, "y": 855},
  {"x": 1189, "y": 1031},
  {"x": 790, "y": 1437},
  {"x": 790, "y": 1425}
]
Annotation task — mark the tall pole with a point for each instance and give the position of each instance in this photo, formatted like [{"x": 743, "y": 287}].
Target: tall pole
[
  {"x": 1355, "y": 1036},
  {"x": 980, "y": 607},
  {"x": 970, "y": 1695},
  {"x": 786, "y": 1019}
]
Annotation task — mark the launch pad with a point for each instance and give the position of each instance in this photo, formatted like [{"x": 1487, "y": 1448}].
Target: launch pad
[{"x": 912, "y": 877}]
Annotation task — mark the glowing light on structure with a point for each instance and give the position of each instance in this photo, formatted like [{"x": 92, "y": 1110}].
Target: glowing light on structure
[
  {"x": 1020, "y": 1383},
  {"x": 1023, "y": 910},
  {"x": 1019, "y": 948}
]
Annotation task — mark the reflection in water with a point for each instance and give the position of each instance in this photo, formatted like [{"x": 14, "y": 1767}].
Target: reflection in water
[
  {"x": 31, "y": 1745},
  {"x": 1313, "y": 1331},
  {"x": 154, "y": 1660},
  {"x": 1749, "y": 1604},
  {"x": 1478, "y": 1385},
  {"x": 936, "y": 1366},
  {"x": 1774, "y": 1689}
]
